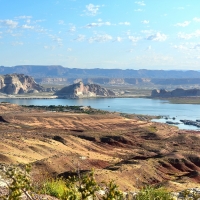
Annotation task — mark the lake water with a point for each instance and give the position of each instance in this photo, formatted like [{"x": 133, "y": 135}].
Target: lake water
[{"x": 127, "y": 105}]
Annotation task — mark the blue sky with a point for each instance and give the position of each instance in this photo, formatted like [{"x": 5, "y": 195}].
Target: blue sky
[{"x": 125, "y": 34}]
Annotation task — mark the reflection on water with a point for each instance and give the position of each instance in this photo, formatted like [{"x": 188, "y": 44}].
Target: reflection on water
[{"x": 127, "y": 105}]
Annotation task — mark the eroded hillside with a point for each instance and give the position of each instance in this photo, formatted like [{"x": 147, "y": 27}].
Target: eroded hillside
[{"x": 132, "y": 151}]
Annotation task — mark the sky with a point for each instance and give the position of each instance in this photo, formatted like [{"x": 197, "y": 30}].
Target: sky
[{"x": 110, "y": 34}]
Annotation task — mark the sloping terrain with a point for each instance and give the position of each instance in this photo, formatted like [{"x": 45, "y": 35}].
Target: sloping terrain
[{"x": 131, "y": 151}]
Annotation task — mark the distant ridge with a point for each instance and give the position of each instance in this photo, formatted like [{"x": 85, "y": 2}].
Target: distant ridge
[
  {"x": 179, "y": 92},
  {"x": 40, "y": 71}
]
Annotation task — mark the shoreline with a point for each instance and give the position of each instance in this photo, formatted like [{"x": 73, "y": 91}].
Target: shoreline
[
  {"x": 57, "y": 97},
  {"x": 172, "y": 100}
]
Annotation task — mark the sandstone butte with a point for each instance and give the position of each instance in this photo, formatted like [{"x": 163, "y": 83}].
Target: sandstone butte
[
  {"x": 18, "y": 84},
  {"x": 132, "y": 151},
  {"x": 79, "y": 90}
]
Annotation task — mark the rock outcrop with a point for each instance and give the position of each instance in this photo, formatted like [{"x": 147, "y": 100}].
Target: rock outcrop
[
  {"x": 79, "y": 90},
  {"x": 18, "y": 84},
  {"x": 176, "y": 93}
]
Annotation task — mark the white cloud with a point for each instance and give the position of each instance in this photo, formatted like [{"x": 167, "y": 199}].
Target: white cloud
[
  {"x": 188, "y": 36},
  {"x": 72, "y": 29},
  {"x": 153, "y": 59},
  {"x": 24, "y": 17},
  {"x": 157, "y": 37},
  {"x": 130, "y": 50},
  {"x": 196, "y": 19},
  {"x": 133, "y": 39},
  {"x": 125, "y": 23},
  {"x": 180, "y": 47},
  {"x": 184, "y": 24},
  {"x": 100, "y": 38},
  {"x": 145, "y": 22},
  {"x": 185, "y": 36},
  {"x": 92, "y": 10},
  {"x": 196, "y": 33},
  {"x": 9, "y": 23},
  {"x": 149, "y": 48},
  {"x": 196, "y": 47},
  {"x": 80, "y": 38},
  {"x": 138, "y": 10},
  {"x": 39, "y": 20},
  {"x": 180, "y": 8},
  {"x": 56, "y": 39},
  {"x": 69, "y": 49},
  {"x": 148, "y": 32},
  {"x": 140, "y": 3},
  {"x": 27, "y": 27},
  {"x": 119, "y": 39},
  {"x": 188, "y": 46},
  {"x": 28, "y": 21},
  {"x": 52, "y": 47},
  {"x": 17, "y": 43},
  {"x": 61, "y": 22},
  {"x": 94, "y": 24}
]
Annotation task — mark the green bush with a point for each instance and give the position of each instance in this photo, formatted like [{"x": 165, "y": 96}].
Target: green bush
[
  {"x": 80, "y": 188},
  {"x": 150, "y": 193},
  {"x": 54, "y": 188},
  {"x": 18, "y": 182}
]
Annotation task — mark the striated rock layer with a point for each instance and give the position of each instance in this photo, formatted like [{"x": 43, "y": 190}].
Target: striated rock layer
[
  {"x": 18, "y": 84},
  {"x": 79, "y": 90}
]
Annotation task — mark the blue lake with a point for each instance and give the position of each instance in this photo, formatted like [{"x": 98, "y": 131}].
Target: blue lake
[{"x": 127, "y": 105}]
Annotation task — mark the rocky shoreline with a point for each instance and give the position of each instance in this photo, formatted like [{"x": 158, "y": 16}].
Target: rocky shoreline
[{"x": 191, "y": 122}]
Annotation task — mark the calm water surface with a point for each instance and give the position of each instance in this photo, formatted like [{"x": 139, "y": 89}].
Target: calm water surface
[{"x": 126, "y": 105}]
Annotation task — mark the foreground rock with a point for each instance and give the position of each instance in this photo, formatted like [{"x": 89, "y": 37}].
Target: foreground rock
[
  {"x": 18, "y": 84},
  {"x": 79, "y": 90},
  {"x": 175, "y": 93}
]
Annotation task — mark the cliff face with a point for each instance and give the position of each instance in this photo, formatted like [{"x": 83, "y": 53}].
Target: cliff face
[
  {"x": 175, "y": 93},
  {"x": 18, "y": 84},
  {"x": 79, "y": 90}
]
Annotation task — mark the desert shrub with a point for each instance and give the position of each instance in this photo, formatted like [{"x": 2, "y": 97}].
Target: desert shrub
[
  {"x": 73, "y": 188},
  {"x": 81, "y": 188},
  {"x": 54, "y": 187},
  {"x": 18, "y": 182},
  {"x": 150, "y": 193},
  {"x": 189, "y": 194},
  {"x": 87, "y": 185},
  {"x": 112, "y": 192},
  {"x": 59, "y": 188}
]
